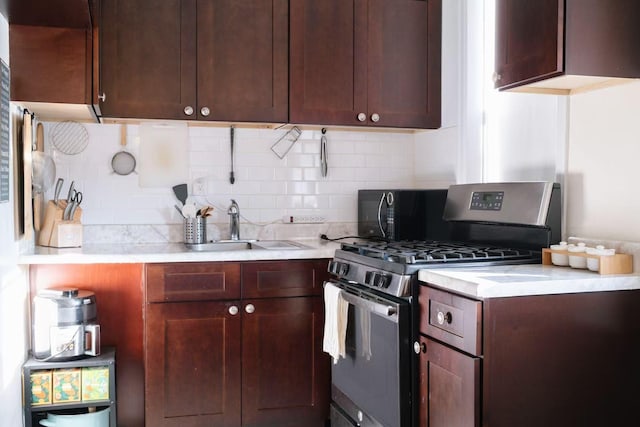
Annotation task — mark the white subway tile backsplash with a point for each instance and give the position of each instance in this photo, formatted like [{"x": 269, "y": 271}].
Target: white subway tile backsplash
[{"x": 266, "y": 188}]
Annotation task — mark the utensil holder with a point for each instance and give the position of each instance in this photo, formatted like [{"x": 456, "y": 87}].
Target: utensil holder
[{"x": 195, "y": 230}]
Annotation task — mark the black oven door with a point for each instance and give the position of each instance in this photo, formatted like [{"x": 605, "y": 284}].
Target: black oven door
[{"x": 372, "y": 385}]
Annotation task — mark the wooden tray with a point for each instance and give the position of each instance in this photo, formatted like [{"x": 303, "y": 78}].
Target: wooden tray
[{"x": 609, "y": 264}]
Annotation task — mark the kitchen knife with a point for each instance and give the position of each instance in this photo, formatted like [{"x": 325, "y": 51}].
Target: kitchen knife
[
  {"x": 67, "y": 209},
  {"x": 70, "y": 194},
  {"x": 59, "y": 184}
]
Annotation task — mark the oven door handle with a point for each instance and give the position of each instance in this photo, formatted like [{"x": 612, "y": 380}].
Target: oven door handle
[{"x": 388, "y": 311}]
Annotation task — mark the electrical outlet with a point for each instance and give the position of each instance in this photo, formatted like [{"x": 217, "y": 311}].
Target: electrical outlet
[
  {"x": 199, "y": 187},
  {"x": 304, "y": 219}
]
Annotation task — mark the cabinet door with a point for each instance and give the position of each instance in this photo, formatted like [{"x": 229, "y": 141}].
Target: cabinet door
[
  {"x": 243, "y": 49},
  {"x": 148, "y": 58},
  {"x": 285, "y": 374},
  {"x": 529, "y": 41},
  {"x": 449, "y": 387},
  {"x": 328, "y": 83},
  {"x": 404, "y": 65},
  {"x": 192, "y": 365}
]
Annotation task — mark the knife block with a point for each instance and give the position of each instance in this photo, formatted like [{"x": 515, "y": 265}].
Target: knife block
[{"x": 57, "y": 232}]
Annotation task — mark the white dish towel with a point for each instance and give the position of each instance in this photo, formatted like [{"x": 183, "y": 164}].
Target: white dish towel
[{"x": 336, "y": 311}]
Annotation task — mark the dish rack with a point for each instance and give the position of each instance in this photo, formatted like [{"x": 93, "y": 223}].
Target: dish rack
[{"x": 609, "y": 264}]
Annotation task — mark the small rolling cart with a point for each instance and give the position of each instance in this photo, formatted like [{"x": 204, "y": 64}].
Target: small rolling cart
[{"x": 69, "y": 388}]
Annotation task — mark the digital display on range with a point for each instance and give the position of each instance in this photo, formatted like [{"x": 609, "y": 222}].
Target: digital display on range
[{"x": 486, "y": 200}]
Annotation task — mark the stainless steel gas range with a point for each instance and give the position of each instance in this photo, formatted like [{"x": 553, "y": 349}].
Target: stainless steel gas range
[{"x": 375, "y": 384}]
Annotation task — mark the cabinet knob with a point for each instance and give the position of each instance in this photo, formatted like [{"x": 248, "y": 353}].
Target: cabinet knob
[
  {"x": 362, "y": 117},
  {"x": 375, "y": 117},
  {"x": 419, "y": 347},
  {"x": 233, "y": 310},
  {"x": 205, "y": 111},
  {"x": 102, "y": 96},
  {"x": 250, "y": 308},
  {"x": 188, "y": 110},
  {"x": 496, "y": 77}
]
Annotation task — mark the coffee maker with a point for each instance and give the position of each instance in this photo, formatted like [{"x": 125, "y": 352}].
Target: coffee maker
[{"x": 64, "y": 325}]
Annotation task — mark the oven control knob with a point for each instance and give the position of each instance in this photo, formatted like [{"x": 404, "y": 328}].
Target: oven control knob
[
  {"x": 369, "y": 277},
  {"x": 382, "y": 281},
  {"x": 338, "y": 268}
]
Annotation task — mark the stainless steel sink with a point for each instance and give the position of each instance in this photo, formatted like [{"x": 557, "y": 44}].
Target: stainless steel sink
[{"x": 244, "y": 245}]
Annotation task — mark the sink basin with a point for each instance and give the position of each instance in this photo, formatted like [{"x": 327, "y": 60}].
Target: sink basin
[
  {"x": 220, "y": 246},
  {"x": 278, "y": 245},
  {"x": 244, "y": 245}
]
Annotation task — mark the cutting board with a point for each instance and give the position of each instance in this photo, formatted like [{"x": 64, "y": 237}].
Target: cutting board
[
  {"x": 38, "y": 199},
  {"x": 27, "y": 141},
  {"x": 163, "y": 156}
]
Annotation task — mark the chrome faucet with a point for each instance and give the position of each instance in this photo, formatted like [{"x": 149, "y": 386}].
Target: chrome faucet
[{"x": 234, "y": 220}]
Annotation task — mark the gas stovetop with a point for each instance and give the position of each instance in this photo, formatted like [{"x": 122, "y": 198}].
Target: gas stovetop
[
  {"x": 389, "y": 267},
  {"x": 435, "y": 252}
]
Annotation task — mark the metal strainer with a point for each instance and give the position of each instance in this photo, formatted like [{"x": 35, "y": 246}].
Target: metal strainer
[
  {"x": 123, "y": 162},
  {"x": 69, "y": 137}
]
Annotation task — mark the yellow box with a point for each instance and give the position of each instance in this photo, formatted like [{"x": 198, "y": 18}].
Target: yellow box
[
  {"x": 95, "y": 383},
  {"x": 40, "y": 387},
  {"x": 66, "y": 385}
]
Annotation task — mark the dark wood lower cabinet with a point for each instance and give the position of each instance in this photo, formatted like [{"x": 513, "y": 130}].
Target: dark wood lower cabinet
[
  {"x": 449, "y": 387},
  {"x": 217, "y": 361},
  {"x": 285, "y": 374},
  {"x": 566, "y": 360},
  {"x": 192, "y": 365}
]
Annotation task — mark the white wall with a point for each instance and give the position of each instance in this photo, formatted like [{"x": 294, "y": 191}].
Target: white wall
[
  {"x": 487, "y": 135},
  {"x": 13, "y": 298},
  {"x": 603, "y": 164},
  {"x": 266, "y": 187}
]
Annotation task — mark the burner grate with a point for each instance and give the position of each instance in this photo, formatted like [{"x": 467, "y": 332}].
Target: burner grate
[{"x": 432, "y": 252}]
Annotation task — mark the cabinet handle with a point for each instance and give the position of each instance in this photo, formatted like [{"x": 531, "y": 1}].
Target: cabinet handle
[
  {"x": 362, "y": 117},
  {"x": 188, "y": 110},
  {"x": 442, "y": 317},
  {"x": 419, "y": 347},
  {"x": 250, "y": 308},
  {"x": 375, "y": 117},
  {"x": 233, "y": 310},
  {"x": 102, "y": 97},
  {"x": 205, "y": 111},
  {"x": 496, "y": 77}
]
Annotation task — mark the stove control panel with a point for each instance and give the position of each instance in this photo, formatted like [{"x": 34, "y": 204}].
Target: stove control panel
[{"x": 487, "y": 200}]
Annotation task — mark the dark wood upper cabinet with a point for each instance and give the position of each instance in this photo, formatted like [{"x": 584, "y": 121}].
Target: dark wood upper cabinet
[
  {"x": 366, "y": 62},
  {"x": 54, "y": 58},
  {"x": 148, "y": 58},
  {"x": 50, "y": 13},
  {"x": 195, "y": 59},
  {"x": 565, "y": 46}
]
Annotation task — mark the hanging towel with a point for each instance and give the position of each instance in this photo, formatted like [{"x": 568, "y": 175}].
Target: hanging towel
[{"x": 335, "y": 322}]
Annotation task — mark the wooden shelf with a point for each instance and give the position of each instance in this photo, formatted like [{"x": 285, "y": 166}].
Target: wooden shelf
[{"x": 609, "y": 264}]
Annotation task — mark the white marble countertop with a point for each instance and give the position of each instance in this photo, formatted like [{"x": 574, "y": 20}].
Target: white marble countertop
[
  {"x": 521, "y": 280},
  {"x": 171, "y": 252}
]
